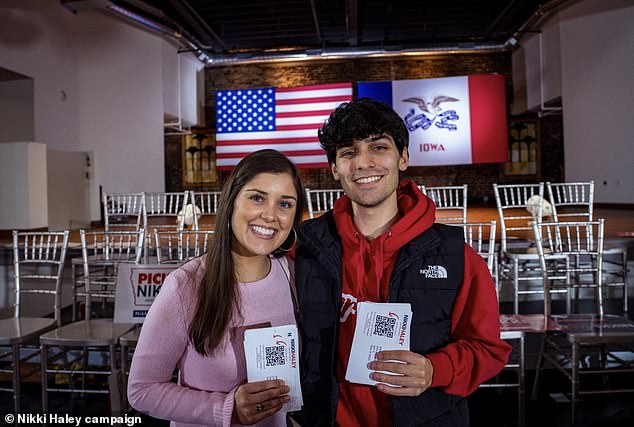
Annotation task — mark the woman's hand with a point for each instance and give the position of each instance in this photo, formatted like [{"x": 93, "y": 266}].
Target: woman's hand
[{"x": 256, "y": 401}]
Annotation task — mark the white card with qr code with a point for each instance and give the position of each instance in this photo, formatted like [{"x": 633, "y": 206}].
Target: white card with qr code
[
  {"x": 273, "y": 353},
  {"x": 380, "y": 326}
]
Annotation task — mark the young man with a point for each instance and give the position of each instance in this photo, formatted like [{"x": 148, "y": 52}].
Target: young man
[{"x": 380, "y": 244}]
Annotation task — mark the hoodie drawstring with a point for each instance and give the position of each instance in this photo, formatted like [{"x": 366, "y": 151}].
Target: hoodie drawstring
[{"x": 368, "y": 264}]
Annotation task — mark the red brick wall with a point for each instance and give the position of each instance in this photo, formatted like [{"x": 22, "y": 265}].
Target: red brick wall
[{"x": 479, "y": 177}]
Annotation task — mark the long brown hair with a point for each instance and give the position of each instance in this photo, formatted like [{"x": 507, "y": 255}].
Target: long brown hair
[{"x": 217, "y": 295}]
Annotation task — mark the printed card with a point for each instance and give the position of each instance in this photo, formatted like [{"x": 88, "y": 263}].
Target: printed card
[
  {"x": 273, "y": 353},
  {"x": 380, "y": 326}
]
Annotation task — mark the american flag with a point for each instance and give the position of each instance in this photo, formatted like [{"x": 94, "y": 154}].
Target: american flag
[{"x": 284, "y": 119}]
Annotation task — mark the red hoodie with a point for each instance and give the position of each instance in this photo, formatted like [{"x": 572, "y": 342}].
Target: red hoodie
[{"x": 367, "y": 269}]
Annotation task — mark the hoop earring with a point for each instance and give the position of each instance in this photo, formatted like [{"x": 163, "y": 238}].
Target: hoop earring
[{"x": 291, "y": 246}]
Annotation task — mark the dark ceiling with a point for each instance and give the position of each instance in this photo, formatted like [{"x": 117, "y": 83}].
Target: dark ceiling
[{"x": 239, "y": 26}]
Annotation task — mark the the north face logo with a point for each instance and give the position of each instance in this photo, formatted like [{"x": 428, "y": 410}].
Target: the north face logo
[{"x": 434, "y": 272}]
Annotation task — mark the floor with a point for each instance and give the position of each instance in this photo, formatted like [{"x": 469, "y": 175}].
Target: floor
[
  {"x": 489, "y": 407},
  {"x": 494, "y": 408}
]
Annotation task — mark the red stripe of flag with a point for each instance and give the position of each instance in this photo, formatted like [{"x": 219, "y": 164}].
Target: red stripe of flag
[
  {"x": 267, "y": 140},
  {"x": 340, "y": 98},
  {"x": 288, "y": 153},
  {"x": 313, "y": 165},
  {"x": 300, "y": 127},
  {"x": 487, "y": 104},
  {"x": 288, "y": 114},
  {"x": 299, "y": 165},
  {"x": 315, "y": 87}
]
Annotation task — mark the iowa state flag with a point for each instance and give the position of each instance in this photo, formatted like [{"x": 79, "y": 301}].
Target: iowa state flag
[
  {"x": 451, "y": 120},
  {"x": 284, "y": 119}
]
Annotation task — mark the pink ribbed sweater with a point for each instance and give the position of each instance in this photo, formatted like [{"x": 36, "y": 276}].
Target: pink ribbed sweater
[{"x": 204, "y": 395}]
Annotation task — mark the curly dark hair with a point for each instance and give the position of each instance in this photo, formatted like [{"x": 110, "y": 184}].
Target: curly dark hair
[{"x": 355, "y": 120}]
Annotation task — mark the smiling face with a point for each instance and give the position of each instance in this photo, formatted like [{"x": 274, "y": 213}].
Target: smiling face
[
  {"x": 263, "y": 214},
  {"x": 369, "y": 169}
]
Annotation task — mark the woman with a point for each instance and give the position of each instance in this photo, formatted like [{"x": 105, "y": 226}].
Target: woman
[{"x": 197, "y": 322}]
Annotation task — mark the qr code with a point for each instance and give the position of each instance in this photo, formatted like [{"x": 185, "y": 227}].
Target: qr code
[
  {"x": 275, "y": 355},
  {"x": 384, "y": 326}
]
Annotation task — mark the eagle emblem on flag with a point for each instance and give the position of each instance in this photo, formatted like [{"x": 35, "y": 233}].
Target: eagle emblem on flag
[{"x": 432, "y": 114}]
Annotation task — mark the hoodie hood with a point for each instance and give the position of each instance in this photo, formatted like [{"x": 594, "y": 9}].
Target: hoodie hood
[{"x": 367, "y": 264}]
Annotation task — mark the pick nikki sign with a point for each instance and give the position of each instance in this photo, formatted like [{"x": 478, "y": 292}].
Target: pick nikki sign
[{"x": 137, "y": 287}]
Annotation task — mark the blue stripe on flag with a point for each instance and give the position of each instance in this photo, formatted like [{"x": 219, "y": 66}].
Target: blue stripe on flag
[{"x": 381, "y": 91}]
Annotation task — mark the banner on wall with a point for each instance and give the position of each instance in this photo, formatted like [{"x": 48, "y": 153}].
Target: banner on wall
[
  {"x": 284, "y": 119},
  {"x": 451, "y": 120}
]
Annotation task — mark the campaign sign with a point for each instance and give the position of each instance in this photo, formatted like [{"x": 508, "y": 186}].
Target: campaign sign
[{"x": 137, "y": 286}]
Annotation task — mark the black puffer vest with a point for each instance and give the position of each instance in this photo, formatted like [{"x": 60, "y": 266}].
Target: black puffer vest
[{"x": 428, "y": 273}]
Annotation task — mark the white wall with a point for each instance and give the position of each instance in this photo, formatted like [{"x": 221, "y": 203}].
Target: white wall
[
  {"x": 97, "y": 87},
  {"x": 121, "y": 102},
  {"x": 171, "y": 88},
  {"x": 588, "y": 58},
  {"x": 69, "y": 187},
  {"x": 23, "y": 188},
  {"x": 536, "y": 63},
  {"x": 192, "y": 91},
  {"x": 551, "y": 61},
  {"x": 39, "y": 40},
  {"x": 16, "y": 110},
  {"x": 518, "y": 64},
  {"x": 183, "y": 93},
  {"x": 597, "y": 45}
]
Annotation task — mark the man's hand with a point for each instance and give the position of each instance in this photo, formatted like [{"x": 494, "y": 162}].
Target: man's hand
[
  {"x": 258, "y": 400},
  {"x": 410, "y": 372}
]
